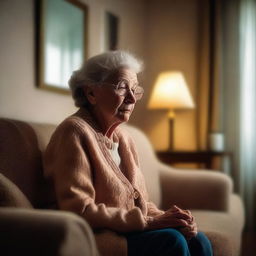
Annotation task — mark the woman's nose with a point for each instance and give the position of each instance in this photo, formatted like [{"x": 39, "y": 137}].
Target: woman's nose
[{"x": 130, "y": 96}]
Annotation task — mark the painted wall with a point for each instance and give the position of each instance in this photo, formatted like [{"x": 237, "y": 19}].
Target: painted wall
[
  {"x": 172, "y": 29},
  {"x": 19, "y": 96},
  {"x": 163, "y": 33}
]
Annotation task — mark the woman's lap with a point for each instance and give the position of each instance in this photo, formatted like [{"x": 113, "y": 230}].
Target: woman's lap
[
  {"x": 165, "y": 242},
  {"x": 200, "y": 245}
]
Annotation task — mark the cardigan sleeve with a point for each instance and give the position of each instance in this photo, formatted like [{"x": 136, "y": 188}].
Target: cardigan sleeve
[{"x": 66, "y": 163}]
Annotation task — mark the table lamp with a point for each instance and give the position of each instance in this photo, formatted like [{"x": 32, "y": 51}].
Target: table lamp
[{"x": 171, "y": 92}]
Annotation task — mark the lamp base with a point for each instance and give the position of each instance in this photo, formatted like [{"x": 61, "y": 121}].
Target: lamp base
[{"x": 171, "y": 117}]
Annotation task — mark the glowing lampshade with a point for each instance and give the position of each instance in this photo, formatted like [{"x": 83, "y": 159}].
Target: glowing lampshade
[{"x": 171, "y": 92}]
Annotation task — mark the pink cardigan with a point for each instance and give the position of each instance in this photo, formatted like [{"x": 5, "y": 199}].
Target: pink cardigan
[{"x": 88, "y": 182}]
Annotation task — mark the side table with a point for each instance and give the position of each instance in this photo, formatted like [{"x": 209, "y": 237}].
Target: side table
[{"x": 200, "y": 157}]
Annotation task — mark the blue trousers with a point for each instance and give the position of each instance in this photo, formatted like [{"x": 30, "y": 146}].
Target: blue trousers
[{"x": 167, "y": 242}]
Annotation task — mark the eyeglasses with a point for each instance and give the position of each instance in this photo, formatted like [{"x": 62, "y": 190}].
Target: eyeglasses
[{"x": 122, "y": 89}]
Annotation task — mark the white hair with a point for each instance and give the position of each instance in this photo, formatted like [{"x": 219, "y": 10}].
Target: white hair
[{"x": 97, "y": 69}]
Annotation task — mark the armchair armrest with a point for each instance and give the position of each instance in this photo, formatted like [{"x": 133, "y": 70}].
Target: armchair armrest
[
  {"x": 44, "y": 232},
  {"x": 195, "y": 189}
]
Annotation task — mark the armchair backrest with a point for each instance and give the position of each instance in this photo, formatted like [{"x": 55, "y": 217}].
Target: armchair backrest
[
  {"x": 21, "y": 147},
  {"x": 148, "y": 162}
]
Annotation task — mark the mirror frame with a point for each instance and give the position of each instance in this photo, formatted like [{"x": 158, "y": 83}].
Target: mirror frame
[{"x": 40, "y": 47}]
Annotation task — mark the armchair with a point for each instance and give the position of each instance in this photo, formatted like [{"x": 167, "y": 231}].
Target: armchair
[{"x": 219, "y": 212}]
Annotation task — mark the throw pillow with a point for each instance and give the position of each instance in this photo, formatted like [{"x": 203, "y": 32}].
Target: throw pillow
[{"x": 11, "y": 195}]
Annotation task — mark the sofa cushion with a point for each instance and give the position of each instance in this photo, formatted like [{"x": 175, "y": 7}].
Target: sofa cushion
[
  {"x": 110, "y": 243},
  {"x": 220, "y": 225},
  {"x": 11, "y": 195},
  {"x": 221, "y": 244}
]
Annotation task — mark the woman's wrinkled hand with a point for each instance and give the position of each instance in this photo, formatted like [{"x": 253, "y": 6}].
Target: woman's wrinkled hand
[
  {"x": 175, "y": 217},
  {"x": 189, "y": 231}
]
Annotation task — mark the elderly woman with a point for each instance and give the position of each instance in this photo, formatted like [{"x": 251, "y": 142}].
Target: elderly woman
[{"x": 95, "y": 170}]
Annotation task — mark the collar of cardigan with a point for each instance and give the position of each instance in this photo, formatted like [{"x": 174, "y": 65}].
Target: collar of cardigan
[{"x": 89, "y": 118}]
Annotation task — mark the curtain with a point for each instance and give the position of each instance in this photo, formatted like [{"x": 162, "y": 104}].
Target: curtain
[
  {"x": 239, "y": 104},
  {"x": 227, "y": 89},
  {"x": 203, "y": 79},
  {"x": 209, "y": 71},
  {"x": 247, "y": 52}
]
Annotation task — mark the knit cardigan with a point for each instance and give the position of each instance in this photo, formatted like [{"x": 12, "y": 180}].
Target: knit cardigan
[{"x": 88, "y": 182}]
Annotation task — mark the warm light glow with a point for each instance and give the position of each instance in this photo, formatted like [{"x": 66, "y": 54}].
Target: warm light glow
[{"x": 171, "y": 92}]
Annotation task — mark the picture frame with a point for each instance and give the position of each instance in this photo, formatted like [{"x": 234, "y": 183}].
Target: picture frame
[
  {"x": 61, "y": 39},
  {"x": 111, "y": 31}
]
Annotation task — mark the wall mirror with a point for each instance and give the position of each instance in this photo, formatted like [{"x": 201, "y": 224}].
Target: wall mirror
[{"x": 62, "y": 42}]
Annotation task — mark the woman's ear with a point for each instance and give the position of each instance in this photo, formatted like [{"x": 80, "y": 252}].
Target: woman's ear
[{"x": 89, "y": 92}]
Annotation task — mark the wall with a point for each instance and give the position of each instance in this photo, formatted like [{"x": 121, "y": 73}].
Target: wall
[
  {"x": 171, "y": 45},
  {"x": 162, "y": 32},
  {"x": 19, "y": 96}
]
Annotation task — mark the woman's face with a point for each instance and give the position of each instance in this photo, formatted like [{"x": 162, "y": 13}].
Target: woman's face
[{"x": 111, "y": 107}]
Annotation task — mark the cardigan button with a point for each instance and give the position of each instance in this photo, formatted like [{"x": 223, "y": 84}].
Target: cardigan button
[{"x": 136, "y": 195}]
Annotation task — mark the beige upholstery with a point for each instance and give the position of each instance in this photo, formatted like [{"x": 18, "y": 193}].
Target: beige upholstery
[
  {"x": 208, "y": 194},
  {"x": 11, "y": 195},
  {"x": 44, "y": 232},
  {"x": 218, "y": 212}
]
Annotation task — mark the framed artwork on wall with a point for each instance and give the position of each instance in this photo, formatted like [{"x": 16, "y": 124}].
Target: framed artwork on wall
[
  {"x": 61, "y": 42},
  {"x": 111, "y": 31}
]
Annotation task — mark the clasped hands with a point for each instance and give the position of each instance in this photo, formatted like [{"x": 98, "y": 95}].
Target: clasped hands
[{"x": 176, "y": 218}]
